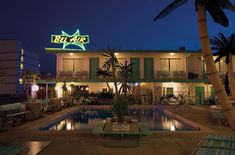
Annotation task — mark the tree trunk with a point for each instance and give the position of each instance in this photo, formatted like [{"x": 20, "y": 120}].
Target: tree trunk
[
  {"x": 212, "y": 72},
  {"x": 115, "y": 79},
  {"x": 230, "y": 76}
]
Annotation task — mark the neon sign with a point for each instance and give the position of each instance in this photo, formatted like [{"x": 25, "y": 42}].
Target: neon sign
[{"x": 66, "y": 39}]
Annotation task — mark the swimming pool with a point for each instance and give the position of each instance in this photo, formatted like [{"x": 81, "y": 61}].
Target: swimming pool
[{"x": 86, "y": 120}]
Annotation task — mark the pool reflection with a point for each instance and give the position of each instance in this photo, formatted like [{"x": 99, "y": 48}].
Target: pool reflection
[{"x": 154, "y": 118}]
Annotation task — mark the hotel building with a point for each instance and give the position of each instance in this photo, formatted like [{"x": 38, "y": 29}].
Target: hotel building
[
  {"x": 14, "y": 61},
  {"x": 155, "y": 72}
]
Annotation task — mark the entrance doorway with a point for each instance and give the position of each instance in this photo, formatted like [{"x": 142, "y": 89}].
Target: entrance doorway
[{"x": 199, "y": 91}]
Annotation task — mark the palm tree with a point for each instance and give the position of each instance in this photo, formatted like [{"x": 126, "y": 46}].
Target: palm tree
[
  {"x": 215, "y": 9},
  {"x": 225, "y": 47},
  {"x": 29, "y": 77},
  {"x": 125, "y": 77},
  {"x": 106, "y": 74},
  {"x": 110, "y": 64}
]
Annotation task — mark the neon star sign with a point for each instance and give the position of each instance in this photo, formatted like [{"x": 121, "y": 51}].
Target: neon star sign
[{"x": 66, "y": 39}]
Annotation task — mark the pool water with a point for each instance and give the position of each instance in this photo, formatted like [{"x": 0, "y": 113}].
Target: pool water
[{"x": 86, "y": 120}]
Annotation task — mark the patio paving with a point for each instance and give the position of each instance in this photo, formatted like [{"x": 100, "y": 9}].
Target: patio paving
[{"x": 74, "y": 143}]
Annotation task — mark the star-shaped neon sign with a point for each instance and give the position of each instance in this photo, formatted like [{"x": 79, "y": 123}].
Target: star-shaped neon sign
[{"x": 75, "y": 39}]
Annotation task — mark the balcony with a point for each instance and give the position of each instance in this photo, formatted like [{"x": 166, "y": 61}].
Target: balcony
[
  {"x": 70, "y": 75},
  {"x": 176, "y": 75},
  {"x": 159, "y": 76}
]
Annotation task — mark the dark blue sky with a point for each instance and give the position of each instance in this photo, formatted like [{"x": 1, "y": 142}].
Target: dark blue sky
[{"x": 109, "y": 23}]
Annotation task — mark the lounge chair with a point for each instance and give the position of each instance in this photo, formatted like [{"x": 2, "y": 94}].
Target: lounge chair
[
  {"x": 212, "y": 151},
  {"x": 219, "y": 137},
  {"x": 13, "y": 149}
]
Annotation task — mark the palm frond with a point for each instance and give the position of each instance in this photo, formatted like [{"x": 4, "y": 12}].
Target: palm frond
[
  {"x": 216, "y": 12},
  {"x": 170, "y": 8},
  {"x": 226, "y": 4}
]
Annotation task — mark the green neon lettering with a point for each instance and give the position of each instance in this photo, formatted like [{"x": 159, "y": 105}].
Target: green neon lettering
[{"x": 75, "y": 39}]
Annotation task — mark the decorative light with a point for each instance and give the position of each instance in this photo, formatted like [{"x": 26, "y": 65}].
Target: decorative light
[
  {"x": 35, "y": 87},
  {"x": 69, "y": 126},
  {"x": 172, "y": 53},
  {"x": 71, "y": 54},
  {"x": 172, "y": 127},
  {"x": 57, "y": 88},
  {"x": 87, "y": 88}
]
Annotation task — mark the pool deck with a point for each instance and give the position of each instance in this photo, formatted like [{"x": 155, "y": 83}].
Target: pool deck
[{"x": 73, "y": 142}]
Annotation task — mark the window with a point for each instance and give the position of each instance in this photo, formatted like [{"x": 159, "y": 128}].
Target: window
[
  {"x": 73, "y": 64},
  {"x": 170, "y": 64}
]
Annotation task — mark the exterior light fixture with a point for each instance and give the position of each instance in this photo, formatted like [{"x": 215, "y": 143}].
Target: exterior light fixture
[
  {"x": 35, "y": 88},
  {"x": 136, "y": 84},
  {"x": 116, "y": 54},
  {"x": 172, "y": 53},
  {"x": 71, "y": 54},
  {"x": 87, "y": 88}
]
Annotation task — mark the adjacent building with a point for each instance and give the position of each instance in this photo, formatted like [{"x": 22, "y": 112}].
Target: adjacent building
[
  {"x": 14, "y": 61},
  {"x": 156, "y": 73}
]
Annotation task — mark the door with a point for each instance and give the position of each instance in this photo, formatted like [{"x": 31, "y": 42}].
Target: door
[
  {"x": 212, "y": 93},
  {"x": 136, "y": 68},
  {"x": 199, "y": 94},
  {"x": 94, "y": 64},
  {"x": 148, "y": 69},
  {"x": 169, "y": 90}
]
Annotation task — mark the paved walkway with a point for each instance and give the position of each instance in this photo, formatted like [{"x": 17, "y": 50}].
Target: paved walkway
[{"x": 75, "y": 143}]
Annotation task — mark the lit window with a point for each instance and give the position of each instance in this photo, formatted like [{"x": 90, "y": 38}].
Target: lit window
[
  {"x": 22, "y": 59},
  {"x": 22, "y": 51},
  {"x": 21, "y": 81},
  {"x": 21, "y": 66}
]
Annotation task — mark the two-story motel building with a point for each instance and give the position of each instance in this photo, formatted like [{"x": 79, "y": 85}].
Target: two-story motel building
[{"x": 155, "y": 72}]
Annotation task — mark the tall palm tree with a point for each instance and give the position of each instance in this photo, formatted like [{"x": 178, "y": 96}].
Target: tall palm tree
[
  {"x": 215, "y": 9},
  {"x": 225, "y": 47},
  {"x": 110, "y": 64}
]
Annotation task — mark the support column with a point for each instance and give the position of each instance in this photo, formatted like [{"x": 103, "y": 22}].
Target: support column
[{"x": 46, "y": 90}]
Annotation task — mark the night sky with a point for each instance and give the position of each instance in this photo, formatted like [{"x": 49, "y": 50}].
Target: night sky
[{"x": 109, "y": 23}]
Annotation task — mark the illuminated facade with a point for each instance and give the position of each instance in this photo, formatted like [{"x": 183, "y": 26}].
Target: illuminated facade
[
  {"x": 14, "y": 61},
  {"x": 155, "y": 72}
]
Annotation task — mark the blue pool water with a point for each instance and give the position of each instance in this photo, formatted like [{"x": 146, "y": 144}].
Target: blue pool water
[{"x": 86, "y": 120}]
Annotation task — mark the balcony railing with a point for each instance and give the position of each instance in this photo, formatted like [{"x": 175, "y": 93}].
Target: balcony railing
[
  {"x": 159, "y": 75},
  {"x": 65, "y": 75},
  {"x": 176, "y": 75}
]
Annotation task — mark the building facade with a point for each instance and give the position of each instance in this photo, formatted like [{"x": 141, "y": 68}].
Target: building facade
[
  {"x": 155, "y": 73},
  {"x": 14, "y": 61}
]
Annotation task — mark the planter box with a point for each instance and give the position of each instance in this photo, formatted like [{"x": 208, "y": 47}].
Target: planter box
[
  {"x": 121, "y": 135},
  {"x": 35, "y": 109}
]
